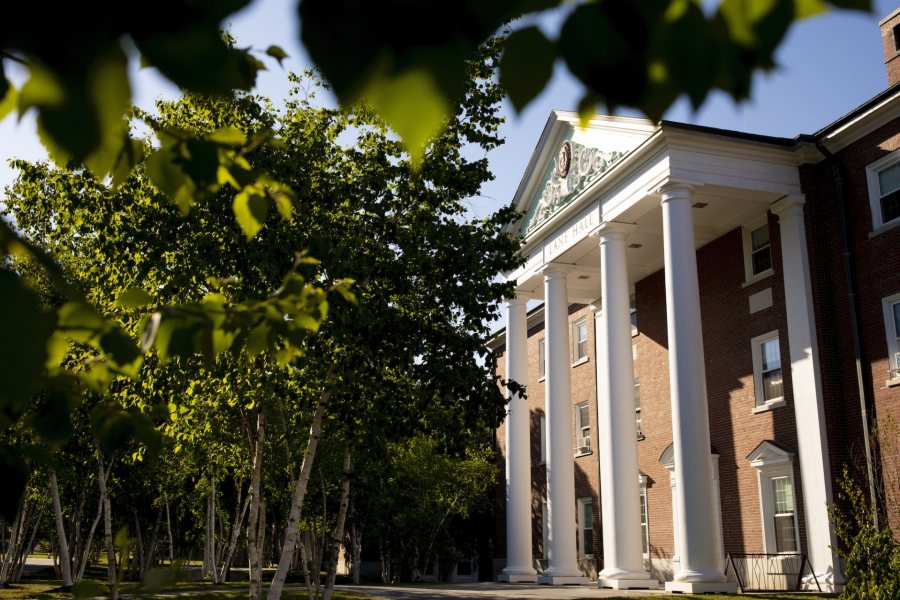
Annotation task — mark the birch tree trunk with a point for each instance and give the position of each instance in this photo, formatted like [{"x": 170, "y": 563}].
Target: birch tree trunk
[
  {"x": 89, "y": 541},
  {"x": 107, "y": 531},
  {"x": 290, "y": 534},
  {"x": 169, "y": 530},
  {"x": 339, "y": 528},
  {"x": 305, "y": 561},
  {"x": 27, "y": 548},
  {"x": 253, "y": 550},
  {"x": 151, "y": 547},
  {"x": 16, "y": 539},
  {"x": 138, "y": 562},
  {"x": 65, "y": 560},
  {"x": 235, "y": 534},
  {"x": 355, "y": 550}
]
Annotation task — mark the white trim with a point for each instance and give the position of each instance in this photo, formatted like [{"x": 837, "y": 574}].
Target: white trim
[
  {"x": 746, "y": 230},
  {"x": 893, "y": 344},
  {"x": 758, "y": 390},
  {"x": 771, "y": 462},
  {"x": 581, "y": 528},
  {"x": 582, "y": 442},
  {"x": 543, "y": 434},
  {"x": 645, "y": 525},
  {"x": 577, "y": 358},
  {"x": 872, "y": 171},
  {"x": 542, "y": 358}
]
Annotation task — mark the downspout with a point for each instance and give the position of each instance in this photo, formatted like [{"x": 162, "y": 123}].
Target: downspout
[{"x": 850, "y": 272}]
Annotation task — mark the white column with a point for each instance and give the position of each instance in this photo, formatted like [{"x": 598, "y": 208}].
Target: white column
[
  {"x": 812, "y": 439},
  {"x": 563, "y": 566},
  {"x": 519, "y": 561},
  {"x": 623, "y": 562},
  {"x": 698, "y": 569}
]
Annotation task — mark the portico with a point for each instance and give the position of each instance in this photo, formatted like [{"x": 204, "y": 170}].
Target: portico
[{"x": 606, "y": 206}]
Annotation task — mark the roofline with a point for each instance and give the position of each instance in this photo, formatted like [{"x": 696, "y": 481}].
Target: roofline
[
  {"x": 740, "y": 135},
  {"x": 863, "y": 108}
]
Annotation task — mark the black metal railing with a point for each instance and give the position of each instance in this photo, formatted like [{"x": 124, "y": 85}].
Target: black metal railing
[{"x": 770, "y": 572}]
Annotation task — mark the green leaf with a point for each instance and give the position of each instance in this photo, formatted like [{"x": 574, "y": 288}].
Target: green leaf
[
  {"x": 14, "y": 474},
  {"x": 251, "y": 210},
  {"x": 24, "y": 332},
  {"x": 277, "y": 53},
  {"x": 259, "y": 340},
  {"x": 131, "y": 154},
  {"x": 526, "y": 65},
  {"x": 228, "y": 136},
  {"x": 8, "y": 98},
  {"x": 134, "y": 298},
  {"x": 52, "y": 420}
]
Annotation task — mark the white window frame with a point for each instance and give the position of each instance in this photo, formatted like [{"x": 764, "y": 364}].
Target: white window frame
[
  {"x": 872, "y": 171},
  {"x": 637, "y": 409},
  {"x": 893, "y": 342},
  {"x": 581, "y": 502},
  {"x": 746, "y": 230},
  {"x": 771, "y": 462},
  {"x": 542, "y": 358},
  {"x": 632, "y": 308},
  {"x": 645, "y": 517},
  {"x": 543, "y": 426},
  {"x": 578, "y": 358},
  {"x": 755, "y": 346},
  {"x": 581, "y": 440}
]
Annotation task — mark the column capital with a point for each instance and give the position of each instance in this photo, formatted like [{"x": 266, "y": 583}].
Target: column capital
[
  {"x": 519, "y": 298},
  {"x": 788, "y": 206},
  {"x": 613, "y": 230},
  {"x": 555, "y": 271},
  {"x": 597, "y": 307},
  {"x": 674, "y": 190}
]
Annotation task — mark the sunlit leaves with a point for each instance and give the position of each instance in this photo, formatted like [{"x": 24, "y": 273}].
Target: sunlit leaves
[
  {"x": 277, "y": 53},
  {"x": 134, "y": 298}
]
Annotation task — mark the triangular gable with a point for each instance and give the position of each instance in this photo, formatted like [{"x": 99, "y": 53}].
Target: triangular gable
[
  {"x": 569, "y": 158},
  {"x": 769, "y": 453}
]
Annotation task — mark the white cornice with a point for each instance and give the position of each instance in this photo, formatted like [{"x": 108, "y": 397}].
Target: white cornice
[{"x": 845, "y": 133}]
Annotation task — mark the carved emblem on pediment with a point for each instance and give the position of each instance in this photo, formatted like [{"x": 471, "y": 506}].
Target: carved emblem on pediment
[{"x": 575, "y": 167}]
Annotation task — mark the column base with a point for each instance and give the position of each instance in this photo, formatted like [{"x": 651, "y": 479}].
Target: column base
[
  {"x": 701, "y": 587},
  {"x": 563, "y": 580},
  {"x": 628, "y": 584},
  {"x": 518, "y": 577},
  {"x": 827, "y": 581}
]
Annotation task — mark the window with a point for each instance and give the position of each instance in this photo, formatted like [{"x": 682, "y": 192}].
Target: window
[
  {"x": 767, "y": 377},
  {"x": 542, "y": 358},
  {"x": 645, "y": 527},
  {"x": 783, "y": 502},
  {"x": 579, "y": 336},
  {"x": 757, "y": 251},
  {"x": 775, "y": 473},
  {"x": 586, "y": 526},
  {"x": 884, "y": 190},
  {"x": 891, "y": 306},
  {"x": 637, "y": 409},
  {"x": 582, "y": 428}
]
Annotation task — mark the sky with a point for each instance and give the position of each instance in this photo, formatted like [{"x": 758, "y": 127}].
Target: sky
[{"x": 828, "y": 65}]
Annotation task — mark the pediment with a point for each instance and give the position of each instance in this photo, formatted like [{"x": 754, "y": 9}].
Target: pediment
[
  {"x": 667, "y": 458},
  {"x": 769, "y": 453},
  {"x": 568, "y": 159}
]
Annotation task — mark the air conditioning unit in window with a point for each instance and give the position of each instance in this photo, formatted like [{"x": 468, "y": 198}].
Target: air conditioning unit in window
[{"x": 582, "y": 445}]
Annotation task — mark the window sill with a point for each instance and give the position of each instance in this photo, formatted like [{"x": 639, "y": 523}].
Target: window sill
[
  {"x": 581, "y": 361},
  {"x": 578, "y": 454},
  {"x": 892, "y": 382},
  {"x": 885, "y": 227},
  {"x": 770, "y": 405},
  {"x": 758, "y": 277},
  {"x": 541, "y": 378}
]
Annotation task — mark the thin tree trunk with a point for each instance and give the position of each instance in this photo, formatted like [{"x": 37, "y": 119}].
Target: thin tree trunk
[
  {"x": 107, "y": 531},
  {"x": 339, "y": 529},
  {"x": 151, "y": 548},
  {"x": 16, "y": 539},
  {"x": 89, "y": 541},
  {"x": 303, "y": 558},
  {"x": 27, "y": 549},
  {"x": 290, "y": 534},
  {"x": 65, "y": 560},
  {"x": 169, "y": 530},
  {"x": 355, "y": 550},
  {"x": 253, "y": 519},
  {"x": 207, "y": 537},
  {"x": 139, "y": 547},
  {"x": 235, "y": 534}
]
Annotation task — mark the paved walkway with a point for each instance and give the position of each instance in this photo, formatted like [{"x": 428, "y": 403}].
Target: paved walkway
[{"x": 485, "y": 591}]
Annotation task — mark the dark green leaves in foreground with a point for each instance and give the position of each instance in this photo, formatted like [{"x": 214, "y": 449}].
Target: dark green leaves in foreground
[{"x": 405, "y": 57}]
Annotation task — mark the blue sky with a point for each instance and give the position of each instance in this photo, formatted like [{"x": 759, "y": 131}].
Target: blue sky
[{"x": 828, "y": 65}]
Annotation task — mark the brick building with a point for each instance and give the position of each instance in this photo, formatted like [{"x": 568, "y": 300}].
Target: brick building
[{"x": 714, "y": 299}]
